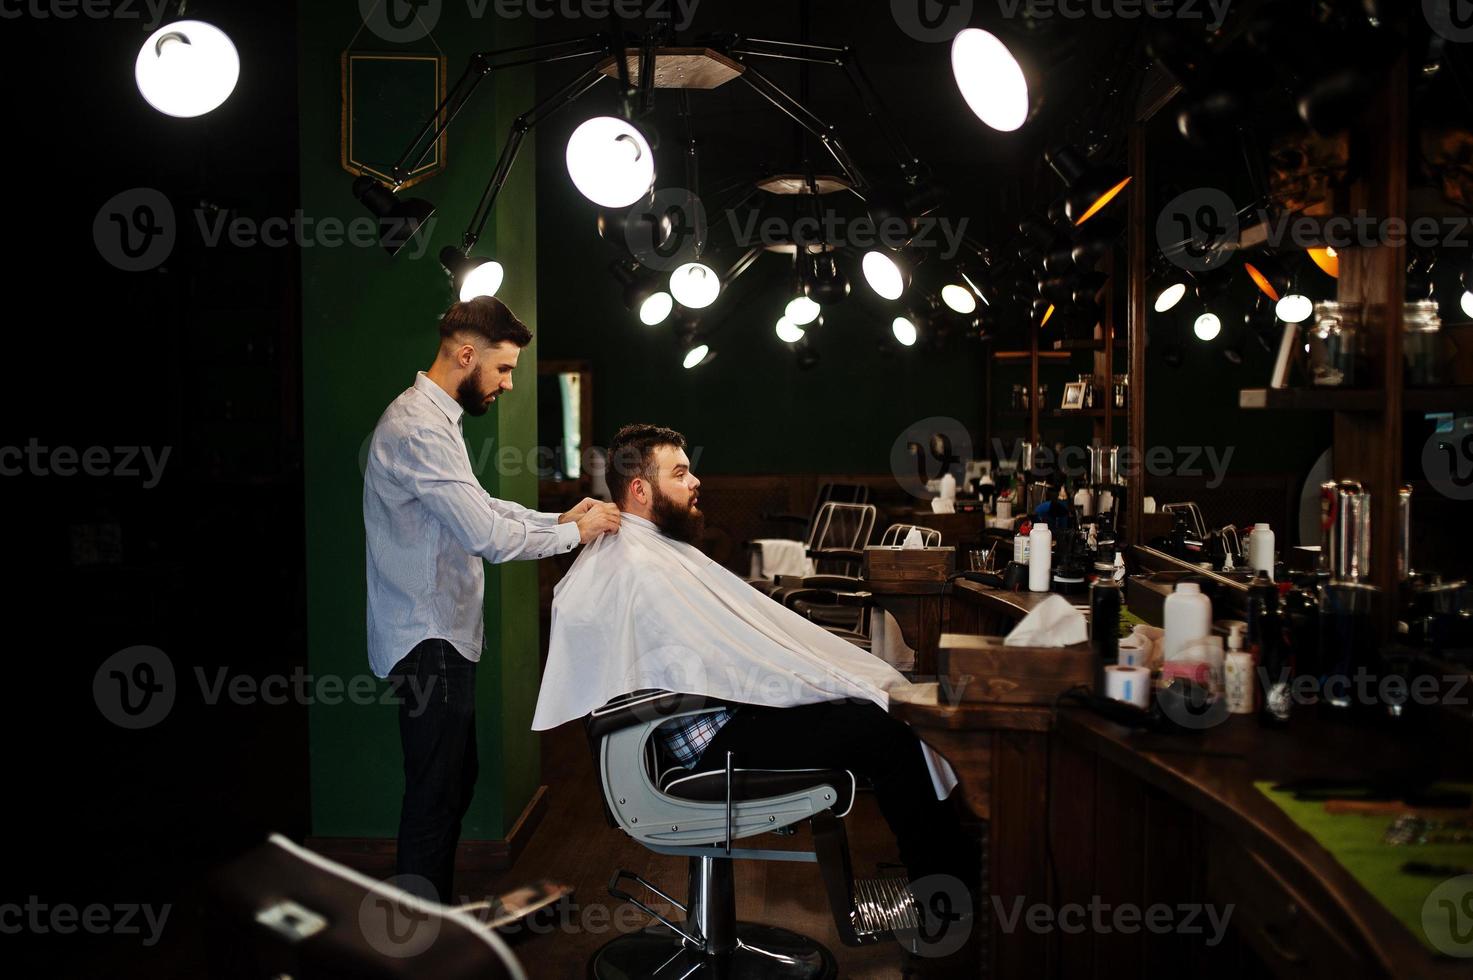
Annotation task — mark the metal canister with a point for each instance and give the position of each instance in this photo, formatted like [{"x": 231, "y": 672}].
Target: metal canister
[
  {"x": 1104, "y": 465},
  {"x": 1404, "y": 533},
  {"x": 1345, "y": 518}
]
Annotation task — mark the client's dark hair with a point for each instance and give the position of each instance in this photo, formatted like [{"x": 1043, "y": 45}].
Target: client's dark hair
[
  {"x": 632, "y": 455},
  {"x": 488, "y": 318}
]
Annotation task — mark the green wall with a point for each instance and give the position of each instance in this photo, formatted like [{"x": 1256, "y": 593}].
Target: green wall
[{"x": 368, "y": 323}]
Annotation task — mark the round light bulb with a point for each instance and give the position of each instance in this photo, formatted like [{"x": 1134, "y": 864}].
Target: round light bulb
[
  {"x": 1170, "y": 296},
  {"x": 484, "y": 280},
  {"x": 656, "y": 308},
  {"x": 1294, "y": 308},
  {"x": 959, "y": 298},
  {"x": 1207, "y": 326},
  {"x": 695, "y": 356},
  {"x": 883, "y": 275},
  {"x": 611, "y": 162},
  {"x": 802, "y": 311},
  {"x": 990, "y": 79},
  {"x": 1467, "y": 303},
  {"x": 904, "y": 331},
  {"x": 695, "y": 285},
  {"x": 187, "y": 68},
  {"x": 788, "y": 331}
]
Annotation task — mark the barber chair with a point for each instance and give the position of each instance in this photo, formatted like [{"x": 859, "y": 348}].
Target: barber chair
[
  {"x": 283, "y": 911},
  {"x": 840, "y": 534},
  {"x": 835, "y": 534},
  {"x": 700, "y": 814}
]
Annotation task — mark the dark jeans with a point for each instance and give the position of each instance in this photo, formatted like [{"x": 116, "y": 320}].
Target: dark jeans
[
  {"x": 864, "y": 739},
  {"x": 436, "y": 688}
]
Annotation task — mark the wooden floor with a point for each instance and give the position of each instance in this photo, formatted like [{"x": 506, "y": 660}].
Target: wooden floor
[{"x": 575, "y": 845}]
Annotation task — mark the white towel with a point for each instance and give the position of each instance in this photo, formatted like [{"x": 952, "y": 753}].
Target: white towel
[{"x": 772, "y": 557}]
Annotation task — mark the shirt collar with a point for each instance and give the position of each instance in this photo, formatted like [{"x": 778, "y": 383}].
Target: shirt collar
[{"x": 440, "y": 397}]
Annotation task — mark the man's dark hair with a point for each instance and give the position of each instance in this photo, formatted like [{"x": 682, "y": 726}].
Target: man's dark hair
[
  {"x": 488, "y": 318},
  {"x": 632, "y": 455}
]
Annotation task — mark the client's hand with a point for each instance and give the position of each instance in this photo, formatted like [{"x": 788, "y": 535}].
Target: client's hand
[{"x": 600, "y": 518}]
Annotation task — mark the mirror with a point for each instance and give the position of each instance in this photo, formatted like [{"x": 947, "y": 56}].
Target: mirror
[{"x": 564, "y": 423}]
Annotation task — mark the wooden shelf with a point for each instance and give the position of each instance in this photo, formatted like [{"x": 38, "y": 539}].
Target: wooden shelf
[
  {"x": 1445, "y": 398},
  {"x": 1023, "y": 355},
  {"x": 1086, "y": 345}
]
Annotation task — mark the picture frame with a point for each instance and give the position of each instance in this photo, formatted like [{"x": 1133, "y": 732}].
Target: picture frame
[{"x": 1074, "y": 396}]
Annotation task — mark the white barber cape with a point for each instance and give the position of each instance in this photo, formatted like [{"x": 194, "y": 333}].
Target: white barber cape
[{"x": 641, "y": 611}]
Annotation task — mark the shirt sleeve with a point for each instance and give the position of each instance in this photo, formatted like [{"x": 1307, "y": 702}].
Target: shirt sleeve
[
  {"x": 431, "y": 466},
  {"x": 514, "y": 510}
]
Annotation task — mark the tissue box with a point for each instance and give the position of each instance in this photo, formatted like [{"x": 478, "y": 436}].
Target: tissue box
[
  {"x": 981, "y": 669},
  {"x": 901, "y": 566}
]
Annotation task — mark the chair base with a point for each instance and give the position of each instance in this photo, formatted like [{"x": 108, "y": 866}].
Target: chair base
[{"x": 762, "y": 952}]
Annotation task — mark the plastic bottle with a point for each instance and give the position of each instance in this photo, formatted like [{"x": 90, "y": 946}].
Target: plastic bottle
[
  {"x": 1020, "y": 547},
  {"x": 1261, "y": 549},
  {"x": 1187, "y": 618},
  {"x": 1040, "y": 556}
]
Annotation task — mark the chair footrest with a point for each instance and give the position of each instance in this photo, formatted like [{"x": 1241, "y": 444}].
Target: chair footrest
[{"x": 883, "y": 907}]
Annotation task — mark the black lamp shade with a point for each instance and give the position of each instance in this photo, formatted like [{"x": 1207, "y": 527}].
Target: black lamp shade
[{"x": 398, "y": 220}]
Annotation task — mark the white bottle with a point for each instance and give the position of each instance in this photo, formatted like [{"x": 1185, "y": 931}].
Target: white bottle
[
  {"x": 1084, "y": 502},
  {"x": 1040, "y": 557},
  {"x": 1261, "y": 550},
  {"x": 1187, "y": 618}
]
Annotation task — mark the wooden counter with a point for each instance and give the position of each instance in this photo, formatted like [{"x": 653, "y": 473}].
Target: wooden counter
[{"x": 1140, "y": 818}]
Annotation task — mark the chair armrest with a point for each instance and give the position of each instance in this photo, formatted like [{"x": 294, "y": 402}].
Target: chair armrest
[
  {"x": 836, "y": 554},
  {"x": 838, "y": 583},
  {"x": 645, "y": 707}
]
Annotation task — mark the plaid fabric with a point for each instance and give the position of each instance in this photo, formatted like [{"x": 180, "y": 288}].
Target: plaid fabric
[{"x": 686, "y": 738}]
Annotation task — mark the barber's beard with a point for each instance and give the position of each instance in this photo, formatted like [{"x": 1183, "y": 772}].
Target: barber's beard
[
  {"x": 471, "y": 396},
  {"x": 686, "y": 524}
]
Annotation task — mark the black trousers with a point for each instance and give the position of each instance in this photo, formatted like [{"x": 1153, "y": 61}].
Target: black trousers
[
  {"x": 436, "y": 689},
  {"x": 864, "y": 739}
]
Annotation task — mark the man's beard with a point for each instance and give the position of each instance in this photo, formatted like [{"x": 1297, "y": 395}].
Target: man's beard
[
  {"x": 686, "y": 524},
  {"x": 472, "y": 399}
]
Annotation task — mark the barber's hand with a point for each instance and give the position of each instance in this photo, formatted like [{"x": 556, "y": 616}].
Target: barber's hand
[
  {"x": 600, "y": 519},
  {"x": 587, "y": 504}
]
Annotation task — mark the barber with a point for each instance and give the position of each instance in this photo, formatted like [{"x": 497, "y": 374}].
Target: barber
[{"x": 429, "y": 526}]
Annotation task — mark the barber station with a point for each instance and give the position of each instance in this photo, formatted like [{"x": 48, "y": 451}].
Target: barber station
[{"x": 796, "y": 490}]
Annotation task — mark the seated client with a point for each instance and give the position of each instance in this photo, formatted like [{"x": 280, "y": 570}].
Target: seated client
[{"x": 646, "y": 610}]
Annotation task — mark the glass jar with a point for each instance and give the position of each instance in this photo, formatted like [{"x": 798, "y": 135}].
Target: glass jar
[
  {"x": 1087, "y": 400},
  {"x": 1421, "y": 342},
  {"x": 1336, "y": 356},
  {"x": 1122, "y": 385}
]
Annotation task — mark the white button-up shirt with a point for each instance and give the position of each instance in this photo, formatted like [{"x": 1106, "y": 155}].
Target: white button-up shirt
[{"x": 429, "y": 524}]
